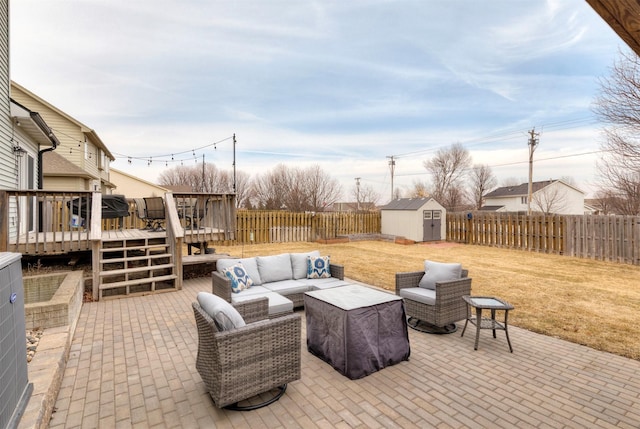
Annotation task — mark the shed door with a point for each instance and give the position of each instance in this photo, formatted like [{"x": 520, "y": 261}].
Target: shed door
[{"x": 431, "y": 223}]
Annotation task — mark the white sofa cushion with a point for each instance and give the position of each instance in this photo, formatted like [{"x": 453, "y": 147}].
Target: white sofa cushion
[
  {"x": 253, "y": 290},
  {"x": 287, "y": 287},
  {"x": 250, "y": 265},
  {"x": 435, "y": 272},
  {"x": 274, "y": 268},
  {"x": 223, "y": 314},
  {"x": 299, "y": 263},
  {"x": 420, "y": 294},
  {"x": 277, "y": 303}
]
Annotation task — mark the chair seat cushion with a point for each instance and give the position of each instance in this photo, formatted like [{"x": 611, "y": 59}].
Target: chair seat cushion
[
  {"x": 277, "y": 303},
  {"x": 419, "y": 294},
  {"x": 253, "y": 290},
  {"x": 223, "y": 314},
  {"x": 435, "y": 272}
]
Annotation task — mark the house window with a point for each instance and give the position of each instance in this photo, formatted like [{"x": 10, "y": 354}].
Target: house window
[
  {"x": 86, "y": 150},
  {"x": 100, "y": 159},
  {"x": 523, "y": 200}
]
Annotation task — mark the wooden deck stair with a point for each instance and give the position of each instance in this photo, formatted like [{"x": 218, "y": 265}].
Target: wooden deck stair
[{"x": 136, "y": 266}]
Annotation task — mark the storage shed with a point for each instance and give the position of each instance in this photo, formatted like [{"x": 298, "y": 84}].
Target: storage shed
[{"x": 417, "y": 219}]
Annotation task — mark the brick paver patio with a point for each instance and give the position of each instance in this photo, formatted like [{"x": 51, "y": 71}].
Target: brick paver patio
[{"x": 132, "y": 365}]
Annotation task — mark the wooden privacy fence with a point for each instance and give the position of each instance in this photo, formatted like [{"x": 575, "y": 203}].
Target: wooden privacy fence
[
  {"x": 607, "y": 238},
  {"x": 259, "y": 226}
]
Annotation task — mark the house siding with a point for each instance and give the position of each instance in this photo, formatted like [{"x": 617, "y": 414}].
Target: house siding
[
  {"x": 8, "y": 169},
  {"x": 72, "y": 136}
]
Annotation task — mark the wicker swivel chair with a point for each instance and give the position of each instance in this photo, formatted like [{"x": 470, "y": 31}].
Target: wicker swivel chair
[
  {"x": 239, "y": 364},
  {"x": 439, "y": 315}
]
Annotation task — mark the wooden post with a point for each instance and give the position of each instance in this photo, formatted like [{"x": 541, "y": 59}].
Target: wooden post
[{"x": 4, "y": 221}]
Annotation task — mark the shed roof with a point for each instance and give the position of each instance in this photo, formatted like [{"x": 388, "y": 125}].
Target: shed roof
[{"x": 406, "y": 204}]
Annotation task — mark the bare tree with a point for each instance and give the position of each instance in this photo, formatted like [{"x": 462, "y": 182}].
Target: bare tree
[
  {"x": 365, "y": 196},
  {"x": 512, "y": 181},
  {"x": 419, "y": 190},
  {"x": 199, "y": 178},
  {"x": 269, "y": 189},
  {"x": 447, "y": 169},
  {"x": 482, "y": 181},
  {"x": 322, "y": 191},
  {"x": 618, "y": 104},
  {"x": 550, "y": 199},
  {"x": 295, "y": 189}
]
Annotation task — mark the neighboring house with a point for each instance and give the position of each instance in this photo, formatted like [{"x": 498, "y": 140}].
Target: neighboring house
[
  {"x": 79, "y": 145},
  {"x": 134, "y": 187},
  {"x": 549, "y": 196}
]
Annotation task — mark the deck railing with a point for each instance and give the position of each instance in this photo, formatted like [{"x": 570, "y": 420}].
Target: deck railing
[{"x": 44, "y": 222}]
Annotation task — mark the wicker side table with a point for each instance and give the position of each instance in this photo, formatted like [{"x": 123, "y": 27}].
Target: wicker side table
[{"x": 487, "y": 303}]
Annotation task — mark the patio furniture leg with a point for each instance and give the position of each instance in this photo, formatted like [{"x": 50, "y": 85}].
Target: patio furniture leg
[
  {"x": 478, "y": 326},
  {"x": 493, "y": 322},
  {"x": 506, "y": 331},
  {"x": 236, "y": 407}
]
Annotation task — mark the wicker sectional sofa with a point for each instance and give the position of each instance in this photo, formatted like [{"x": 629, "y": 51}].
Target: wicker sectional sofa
[{"x": 282, "y": 278}]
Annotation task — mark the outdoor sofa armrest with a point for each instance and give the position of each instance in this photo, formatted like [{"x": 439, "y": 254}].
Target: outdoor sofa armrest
[
  {"x": 221, "y": 286},
  {"x": 408, "y": 279},
  {"x": 451, "y": 291},
  {"x": 337, "y": 271}
]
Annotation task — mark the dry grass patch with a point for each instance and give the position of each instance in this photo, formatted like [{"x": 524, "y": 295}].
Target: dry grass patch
[{"x": 584, "y": 301}]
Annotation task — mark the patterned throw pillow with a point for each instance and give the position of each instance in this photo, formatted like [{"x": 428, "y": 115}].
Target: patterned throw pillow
[
  {"x": 240, "y": 280},
  {"x": 318, "y": 267}
]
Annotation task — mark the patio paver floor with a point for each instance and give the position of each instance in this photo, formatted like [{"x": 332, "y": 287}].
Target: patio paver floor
[{"x": 132, "y": 364}]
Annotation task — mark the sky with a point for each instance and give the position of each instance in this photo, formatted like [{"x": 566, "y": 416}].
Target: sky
[{"x": 345, "y": 85}]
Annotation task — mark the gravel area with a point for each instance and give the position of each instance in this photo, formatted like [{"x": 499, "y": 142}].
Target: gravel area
[{"x": 33, "y": 338}]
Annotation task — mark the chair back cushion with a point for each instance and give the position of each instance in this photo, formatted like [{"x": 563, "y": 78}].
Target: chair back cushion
[
  {"x": 318, "y": 267},
  {"x": 299, "y": 264},
  {"x": 223, "y": 314},
  {"x": 435, "y": 272},
  {"x": 240, "y": 280},
  {"x": 274, "y": 268}
]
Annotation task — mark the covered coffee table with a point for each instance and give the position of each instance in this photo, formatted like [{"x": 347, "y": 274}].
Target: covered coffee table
[{"x": 356, "y": 329}]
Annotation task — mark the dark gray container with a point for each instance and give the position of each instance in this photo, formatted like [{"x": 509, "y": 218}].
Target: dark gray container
[{"x": 15, "y": 389}]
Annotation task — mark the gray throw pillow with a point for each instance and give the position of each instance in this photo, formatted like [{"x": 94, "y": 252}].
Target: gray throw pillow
[
  {"x": 435, "y": 272},
  {"x": 223, "y": 314},
  {"x": 299, "y": 263},
  {"x": 274, "y": 268}
]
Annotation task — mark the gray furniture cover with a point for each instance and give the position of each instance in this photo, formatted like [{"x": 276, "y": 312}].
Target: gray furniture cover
[{"x": 356, "y": 329}]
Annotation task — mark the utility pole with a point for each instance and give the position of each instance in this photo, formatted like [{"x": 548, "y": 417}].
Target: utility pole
[
  {"x": 234, "y": 163},
  {"x": 533, "y": 142},
  {"x": 392, "y": 165},
  {"x": 203, "y": 176},
  {"x": 357, "y": 194}
]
